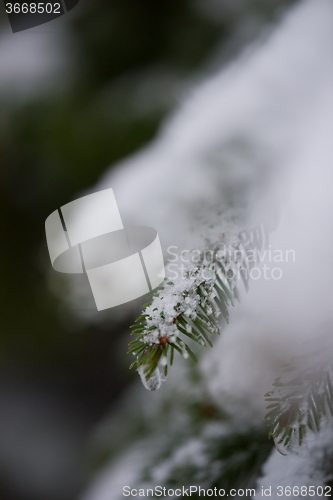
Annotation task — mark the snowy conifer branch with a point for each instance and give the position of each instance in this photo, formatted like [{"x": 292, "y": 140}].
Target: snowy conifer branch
[
  {"x": 301, "y": 401},
  {"x": 190, "y": 306}
]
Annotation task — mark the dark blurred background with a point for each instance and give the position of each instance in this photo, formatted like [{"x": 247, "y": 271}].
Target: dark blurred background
[{"x": 77, "y": 95}]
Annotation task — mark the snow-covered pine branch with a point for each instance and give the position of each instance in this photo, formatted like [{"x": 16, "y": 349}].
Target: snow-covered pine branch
[
  {"x": 268, "y": 113},
  {"x": 189, "y": 307},
  {"x": 301, "y": 401}
]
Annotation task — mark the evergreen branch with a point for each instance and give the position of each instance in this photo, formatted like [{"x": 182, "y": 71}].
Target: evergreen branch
[
  {"x": 301, "y": 401},
  {"x": 190, "y": 307}
]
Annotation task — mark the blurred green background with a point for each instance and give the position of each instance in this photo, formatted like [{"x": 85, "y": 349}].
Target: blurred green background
[{"x": 77, "y": 95}]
